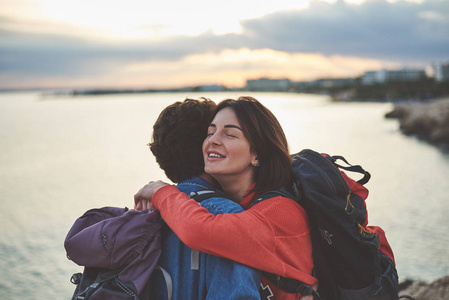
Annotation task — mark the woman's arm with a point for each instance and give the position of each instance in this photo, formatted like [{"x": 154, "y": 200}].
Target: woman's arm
[
  {"x": 272, "y": 236},
  {"x": 219, "y": 239}
]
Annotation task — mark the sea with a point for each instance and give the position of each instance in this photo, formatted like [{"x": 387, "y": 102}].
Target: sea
[{"x": 61, "y": 155}]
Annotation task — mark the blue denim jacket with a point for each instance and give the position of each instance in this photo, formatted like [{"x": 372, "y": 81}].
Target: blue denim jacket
[{"x": 217, "y": 277}]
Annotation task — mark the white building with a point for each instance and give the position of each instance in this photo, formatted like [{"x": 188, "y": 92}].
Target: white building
[
  {"x": 266, "y": 84},
  {"x": 372, "y": 77},
  {"x": 383, "y": 75},
  {"x": 441, "y": 71},
  {"x": 210, "y": 88}
]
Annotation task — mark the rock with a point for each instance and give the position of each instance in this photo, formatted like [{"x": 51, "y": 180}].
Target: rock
[
  {"x": 437, "y": 290},
  {"x": 429, "y": 121}
]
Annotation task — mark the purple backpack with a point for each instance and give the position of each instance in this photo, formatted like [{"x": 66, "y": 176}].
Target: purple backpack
[{"x": 119, "y": 249}]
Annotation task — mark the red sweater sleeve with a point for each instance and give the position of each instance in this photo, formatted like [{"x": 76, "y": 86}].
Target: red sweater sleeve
[{"x": 272, "y": 236}]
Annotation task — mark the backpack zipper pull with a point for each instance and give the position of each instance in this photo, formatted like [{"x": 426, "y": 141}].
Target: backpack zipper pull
[{"x": 348, "y": 203}]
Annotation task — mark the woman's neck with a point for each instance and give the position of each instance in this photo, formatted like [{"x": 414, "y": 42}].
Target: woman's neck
[
  {"x": 235, "y": 189},
  {"x": 211, "y": 180}
]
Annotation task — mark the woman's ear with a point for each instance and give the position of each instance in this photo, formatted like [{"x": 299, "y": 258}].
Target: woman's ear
[{"x": 255, "y": 162}]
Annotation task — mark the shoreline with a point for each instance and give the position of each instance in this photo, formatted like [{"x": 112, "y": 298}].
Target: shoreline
[
  {"x": 435, "y": 290},
  {"x": 427, "y": 121}
]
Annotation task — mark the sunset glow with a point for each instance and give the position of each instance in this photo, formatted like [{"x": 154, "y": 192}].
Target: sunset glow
[{"x": 135, "y": 43}]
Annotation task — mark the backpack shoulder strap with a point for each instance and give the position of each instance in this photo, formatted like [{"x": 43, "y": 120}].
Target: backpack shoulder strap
[
  {"x": 168, "y": 281},
  {"x": 274, "y": 193},
  {"x": 292, "y": 285},
  {"x": 204, "y": 194},
  {"x": 287, "y": 284}
]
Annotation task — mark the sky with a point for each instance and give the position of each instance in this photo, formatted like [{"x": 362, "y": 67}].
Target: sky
[{"x": 176, "y": 43}]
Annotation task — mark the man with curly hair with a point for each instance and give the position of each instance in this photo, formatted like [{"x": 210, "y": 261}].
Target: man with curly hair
[{"x": 178, "y": 135}]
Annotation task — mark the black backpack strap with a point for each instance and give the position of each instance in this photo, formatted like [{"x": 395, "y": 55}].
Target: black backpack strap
[
  {"x": 274, "y": 193},
  {"x": 102, "y": 276},
  {"x": 351, "y": 168},
  {"x": 292, "y": 285},
  {"x": 289, "y": 285},
  {"x": 204, "y": 194}
]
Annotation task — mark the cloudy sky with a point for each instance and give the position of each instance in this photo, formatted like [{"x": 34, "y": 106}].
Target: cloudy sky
[{"x": 174, "y": 43}]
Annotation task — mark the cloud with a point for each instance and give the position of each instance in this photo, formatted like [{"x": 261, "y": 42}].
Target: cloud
[
  {"x": 403, "y": 31},
  {"x": 375, "y": 32}
]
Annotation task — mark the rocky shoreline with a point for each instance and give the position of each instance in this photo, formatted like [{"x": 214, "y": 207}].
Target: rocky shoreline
[
  {"x": 428, "y": 121},
  {"x": 437, "y": 290}
]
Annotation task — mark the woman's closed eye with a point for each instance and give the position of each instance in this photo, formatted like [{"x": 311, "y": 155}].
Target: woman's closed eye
[{"x": 232, "y": 132}]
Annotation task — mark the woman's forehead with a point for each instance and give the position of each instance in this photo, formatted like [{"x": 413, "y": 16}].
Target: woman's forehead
[{"x": 226, "y": 116}]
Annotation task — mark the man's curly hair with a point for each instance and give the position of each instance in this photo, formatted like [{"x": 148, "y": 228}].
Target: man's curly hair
[{"x": 178, "y": 136}]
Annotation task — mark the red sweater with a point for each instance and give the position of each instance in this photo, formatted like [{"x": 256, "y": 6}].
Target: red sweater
[{"x": 272, "y": 236}]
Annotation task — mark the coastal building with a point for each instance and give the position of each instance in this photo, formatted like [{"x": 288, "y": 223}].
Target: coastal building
[
  {"x": 335, "y": 82},
  {"x": 441, "y": 71},
  {"x": 383, "y": 75},
  {"x": 304, "y": 85},
  {"x": 210, "y": 88},
  {"x": 323, "y": 84},
  {"x": 268, "y": 85}
]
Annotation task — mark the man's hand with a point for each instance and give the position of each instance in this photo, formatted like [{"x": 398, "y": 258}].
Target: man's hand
[{"x": 142, "y": 199}]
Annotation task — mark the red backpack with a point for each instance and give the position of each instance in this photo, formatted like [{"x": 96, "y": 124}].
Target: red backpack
[{"x": 352, "y": 261}]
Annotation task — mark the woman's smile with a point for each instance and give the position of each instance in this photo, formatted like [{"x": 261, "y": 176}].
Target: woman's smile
[{"x": 212, "y": 155}]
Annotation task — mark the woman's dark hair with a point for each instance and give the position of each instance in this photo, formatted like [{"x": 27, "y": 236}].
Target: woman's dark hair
[
  {"x": 178, "y": 136},
  {"x": 267, "y": 140}
]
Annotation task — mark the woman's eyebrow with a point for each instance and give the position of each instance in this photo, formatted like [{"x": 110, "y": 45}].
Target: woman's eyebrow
[
  {"x": 233, "y": 126},
  {"x": 226, "y": 126}
]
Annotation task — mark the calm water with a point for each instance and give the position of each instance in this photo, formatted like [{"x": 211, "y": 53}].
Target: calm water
[{"x": 62, "y": 156}]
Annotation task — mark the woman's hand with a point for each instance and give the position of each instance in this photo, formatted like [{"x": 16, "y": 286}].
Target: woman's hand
[{"x": 142, "y": 200}]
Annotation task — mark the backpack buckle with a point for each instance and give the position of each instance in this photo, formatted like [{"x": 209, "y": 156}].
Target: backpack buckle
[
  {"x": 201, "y": 195},
  {"x": 76, "y": 278},
  {"x": 305, "y": 289}
]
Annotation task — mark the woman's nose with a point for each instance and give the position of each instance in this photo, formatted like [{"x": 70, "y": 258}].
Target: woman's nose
[{"x": 214, "y": 139}]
